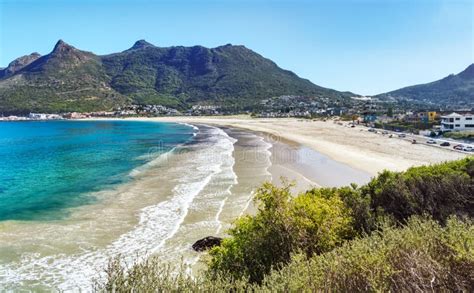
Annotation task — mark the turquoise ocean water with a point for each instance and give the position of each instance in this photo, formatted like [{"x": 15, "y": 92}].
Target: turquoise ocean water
[{"x": 48, "y": 167}]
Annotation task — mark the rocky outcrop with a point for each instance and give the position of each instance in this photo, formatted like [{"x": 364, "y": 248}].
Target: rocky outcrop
[
  {"x": 207, "y": 243},
  {"x": 18, "y": 64}
]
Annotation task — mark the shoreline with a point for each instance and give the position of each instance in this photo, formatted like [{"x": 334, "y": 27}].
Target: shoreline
[
  {"x": 162, "y": 211},
  {"x": 354, "y": 147},
  {"x": 224, "y": 184},
  {"x": 197, "y": 191},
  {"x": 293, "y": 162}
]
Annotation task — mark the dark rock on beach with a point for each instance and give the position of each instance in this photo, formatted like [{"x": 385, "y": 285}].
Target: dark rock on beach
[{"x": 207, "y": 243}]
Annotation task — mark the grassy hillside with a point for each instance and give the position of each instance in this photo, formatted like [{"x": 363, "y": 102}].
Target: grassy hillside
[{"x": 409, "y": 231}]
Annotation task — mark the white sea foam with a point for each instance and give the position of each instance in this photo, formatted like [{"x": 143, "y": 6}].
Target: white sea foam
[
  {"x": 218, "y": 214},
  {"x": 267, "y": 146},
  {"x": 247, "y": 203},
  {"x": 233, "y": 177},
  {"x": 190, "y": 125},
  {"x": 213, "y": 197},
  {"x": 157, "y": 224}
]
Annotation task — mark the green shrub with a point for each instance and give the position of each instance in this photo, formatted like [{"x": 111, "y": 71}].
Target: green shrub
[
  {"x": 423, "y": 256},
  {"x": 464, "y": 135},
  {"x": 311, "y": 223},
  {"x": 321, "y": 219},
  {"x": 358, "y": 205},
  {"x": 153, "y": 275},
  {"x": 438, "y": 190}
]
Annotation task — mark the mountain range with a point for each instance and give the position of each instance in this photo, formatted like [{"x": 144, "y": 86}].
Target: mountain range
[
  {"x": 69, "y": 79},
  {"x": 455, "y": 90},
  {"x": 234, "y": 77}
]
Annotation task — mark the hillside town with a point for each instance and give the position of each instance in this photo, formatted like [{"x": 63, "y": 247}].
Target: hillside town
[{"x": 368, "y": 111}]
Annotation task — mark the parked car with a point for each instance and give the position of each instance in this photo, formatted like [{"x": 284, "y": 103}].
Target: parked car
[
  {"x": 468, "y": 149},
  {"x": 402, "y": 135},
  {"x": 458, "y": 147},
  {"x": 371, "y": 130},
  {"x": 384, "y": 132},
  {"x": 430, "y": 141},
  {"x": 445, "y": 143}
]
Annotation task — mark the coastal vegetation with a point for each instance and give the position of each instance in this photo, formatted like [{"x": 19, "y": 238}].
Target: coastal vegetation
[
  {"x": 405, "y": 126},
  {"x": 403, "y": 231},
  {"x": 463, "y": 135},
  {"x": 420, "y": 256}
]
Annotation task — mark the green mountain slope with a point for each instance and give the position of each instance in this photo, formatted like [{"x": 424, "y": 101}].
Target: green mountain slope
[
  {"x": 68, "y": 79},
  {"x": 226, "y": 75},
  {"x": 453, "y": 90}
]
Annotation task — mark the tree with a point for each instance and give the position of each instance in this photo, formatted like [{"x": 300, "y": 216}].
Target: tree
[{"x": 390, "y": 112}]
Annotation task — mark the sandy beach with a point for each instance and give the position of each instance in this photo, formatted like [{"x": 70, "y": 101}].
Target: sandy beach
[
  {"x": 355, "y": 147},
  {"x": 196, "y": 191}
]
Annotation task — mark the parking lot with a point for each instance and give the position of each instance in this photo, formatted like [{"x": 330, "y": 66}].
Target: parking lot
[{"x": 420, "y": 139}]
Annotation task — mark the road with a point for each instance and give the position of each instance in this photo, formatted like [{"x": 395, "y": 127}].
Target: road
[{"x": 419, "y": 139}]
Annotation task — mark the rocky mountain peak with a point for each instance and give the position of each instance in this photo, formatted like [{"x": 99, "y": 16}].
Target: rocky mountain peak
[
  {"x": 63, "y": 47},
  {"x": 19, "y": 63},
  {"x": 141, "y": 44}
]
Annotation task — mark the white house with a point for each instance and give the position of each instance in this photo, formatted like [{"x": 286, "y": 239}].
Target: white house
[
  {"x": 457, "y": 122},
  {"x": 38, "y": 116}
]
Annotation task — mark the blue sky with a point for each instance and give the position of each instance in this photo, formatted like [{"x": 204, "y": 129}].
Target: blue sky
[{"x": 365, "y": 46}]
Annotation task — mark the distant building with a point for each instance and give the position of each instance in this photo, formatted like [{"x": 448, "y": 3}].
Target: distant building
[
  {"x": 37, "y": 116},
  {"x": 424, "y": 117},
  {"x": 457, "y": 122},
  {"x": 384, "y": 119},
  {"x": 336, "y": 111},
  {"x": 74, "y": 115},
  {"x": 42, "y": 116},
  {"x": 370, "y": 117},
  {"x": 431, "y": 116}
]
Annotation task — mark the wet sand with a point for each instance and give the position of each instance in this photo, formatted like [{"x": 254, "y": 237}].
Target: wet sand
[
  {"x": 308, "y": 169},
  {"x": 251, "y": 163},
  {"x": 351, "y": 146}
]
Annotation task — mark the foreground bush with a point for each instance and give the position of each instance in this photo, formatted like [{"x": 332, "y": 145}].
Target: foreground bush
[
  {"x": 152, "y": 275},
  {"x": 439, "y": 191},
  {"x": 321, "y": 219},
  {"x": 312, "y": 223},
  {"x": 422, "y": 256}
]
